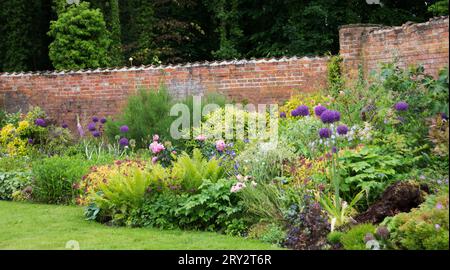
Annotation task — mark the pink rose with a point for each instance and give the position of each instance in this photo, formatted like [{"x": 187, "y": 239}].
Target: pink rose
[
  {"x": 220, "y": 145},
  {"x": 155, "y": 137},
  {"x": 201, "y": 138},
  {"x": 156, "y": 147}
]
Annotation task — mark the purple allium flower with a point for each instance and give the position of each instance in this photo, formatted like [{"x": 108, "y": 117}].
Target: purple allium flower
[
  {"x": 319, "y": 109},
  {"x": 282, "y": 115},
  {"x": 303, "y": 110},
  {"x": 444, "y": 116},
  {"x": 337, "y": 116},
  {"x": 30, "y": 141},
  {"x": 91, "y": 126},
  {"x": 327, "y": 117},
  {"x": 103, "y": 120},
  {"x": 334, "y": 149},
  {"x": 95, "y": 119},
  {"x": 64, "y": 125},
  {"x": 123, "y": 141},
  {"x": 124, "y": 129},
  {"x": 401, "y": 106},
  {"x": 295, "y": 113},
  {"x": 96, "y": 133},
  {"x": 325, "y": 133},
  {"x": 40, "y": 122},
  {"x": 330, "y": 116},
  {"x": 342, "y": 129}
]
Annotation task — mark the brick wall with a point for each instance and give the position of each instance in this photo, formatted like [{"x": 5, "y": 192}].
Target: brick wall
[
  {"x": 103, "y": 92},
  {"x": 369, "y": 45},
  {"x": 63, "y": 95}
]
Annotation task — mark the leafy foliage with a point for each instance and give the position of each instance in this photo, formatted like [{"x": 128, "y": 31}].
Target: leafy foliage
[
  {"x": 55, "y": 177},
  {"x": 11, "y": 182},
  {"x": 146, "y": 113},
  {"x": 81, "y": 39},
  {"x": 354, "y": 239},
  {"x": 425, "y": 227}
]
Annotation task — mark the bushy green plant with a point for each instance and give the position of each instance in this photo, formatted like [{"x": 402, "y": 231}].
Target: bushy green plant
[
  {"x": 268, "y": 232},
  {"x": 193, "y": 170},
  {"x": 265, "y": 201},
  {"x": 265, "y": 161},
  {"x": 146, "y": 113},
  {"x": 55, "y": 177},
  {"x": 368, "y": 169},
  {"x": 158, "y": 211},
  {"x": 121, "y": 193},
  {"x": 335, "y": 237},
  {"x": 424, "y": 228},
  {"x": 11, "y": 182},
  {"x": 300, "y": 133},
  {"x": 213, "y": 208},
  {"x": 81, "y": 39},
  {"x": 354, "y": 239},
  {"x": 334, "y": 76}
]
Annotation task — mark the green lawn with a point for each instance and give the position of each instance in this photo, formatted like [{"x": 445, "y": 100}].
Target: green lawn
[{"x": 37, "y": 226}]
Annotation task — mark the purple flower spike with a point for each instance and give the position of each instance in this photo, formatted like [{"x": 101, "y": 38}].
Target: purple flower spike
[
  {"x": 342, "y": 129},
  {"x": 319, "y": 109},
  {"x": 123, "y": 141},
  {"x": 303, "y": 110},
  {"x": 103, "y": 120},
  {"x": 325, "y": 133},
  {"x": 40, "y": 122},
  {"x": 401, "y": 106},
  {"x": 92, "y": 126},
  {"x": 124, "y": 129}
]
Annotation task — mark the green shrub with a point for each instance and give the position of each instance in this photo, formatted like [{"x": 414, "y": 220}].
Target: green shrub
[
  {"x": 55, "y": 177},
  {"x": 354, "y": 238},
  {"x": 193, "y": 170},
  {"x": 146, "y": 113},
  {"x": 214, "y": 208},
  {"x": 121, "y": 193},
  {"x": 335, "y": 237},
  {"x": 267, "y": 232},
  {"x": 81, "y": 39},
  {"x": 158, "y": 211},
  {"x": 265, "y": 163},
  {"x": 11, "y": 182},
  {"x": 424, "y": 228}
]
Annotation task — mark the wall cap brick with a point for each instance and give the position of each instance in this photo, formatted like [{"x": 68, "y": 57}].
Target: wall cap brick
[
  {"x": 161, "y": 67},
  {"x": 382, "y": 28}
]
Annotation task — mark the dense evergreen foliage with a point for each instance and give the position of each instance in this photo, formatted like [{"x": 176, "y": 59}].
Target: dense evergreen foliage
[
  {"x": 170, "y": 31},
  {"x": 80, "y": 39}
]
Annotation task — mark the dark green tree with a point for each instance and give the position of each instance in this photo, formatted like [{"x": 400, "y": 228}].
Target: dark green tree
[{"x": 81, "y": 39}]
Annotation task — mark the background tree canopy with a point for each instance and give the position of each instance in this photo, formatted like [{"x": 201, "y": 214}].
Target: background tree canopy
[{"x": 173, "y": 31}]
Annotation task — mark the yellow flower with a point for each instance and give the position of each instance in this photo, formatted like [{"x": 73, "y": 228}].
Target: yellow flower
[
  {"x": 23, "y": 125},
  {"x": 6, "y": 133}
]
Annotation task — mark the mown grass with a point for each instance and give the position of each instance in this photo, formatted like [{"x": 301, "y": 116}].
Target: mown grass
[{"x": 37, "y": 226}]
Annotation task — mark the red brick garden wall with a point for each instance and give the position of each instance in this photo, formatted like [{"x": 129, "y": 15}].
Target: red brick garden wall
[
  {"x": 369, "y": 45},
  {"x": 63, "y": 95}
]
